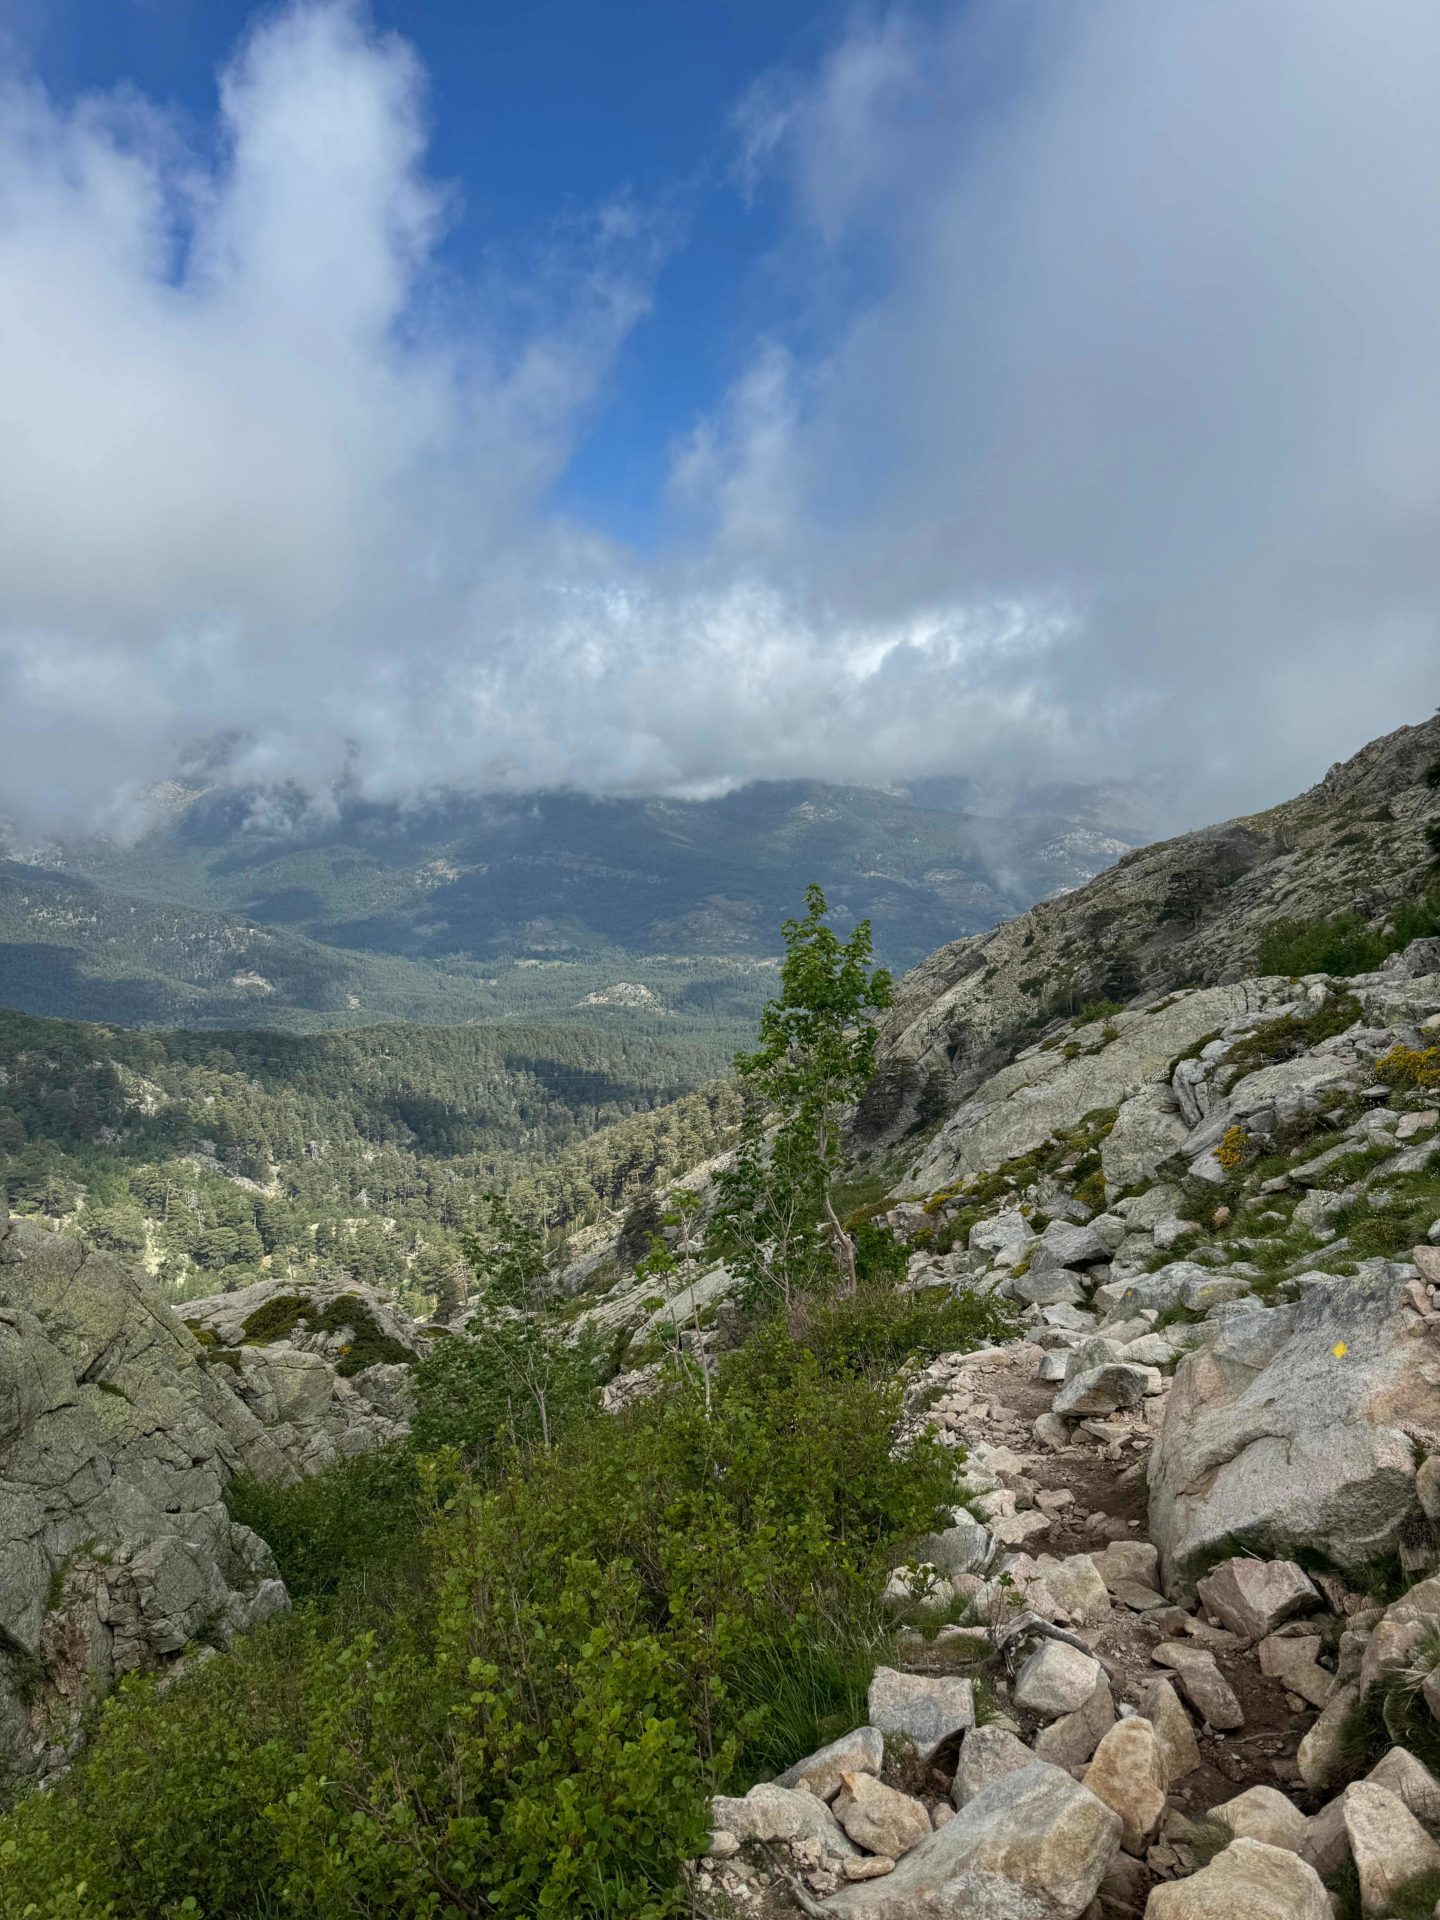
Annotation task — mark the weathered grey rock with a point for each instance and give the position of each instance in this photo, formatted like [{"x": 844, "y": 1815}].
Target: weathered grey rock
[
  {"x": 1063, "y": 1244},
  {"x": 1047, "y": 1287},
  {"x": 1387, "y": 1844},
  {"x": 1129, "y": 1773},
  {"x": 1070, "y": 1740},
  {"x": 1320, "y": 1755},
  {"x": 1055, "y": 1679},
  {"x": 964, "y": 1547},
  {"x": 769, "y": 1812},
  {"x": 1162, "y": 1707},
  {"x": 116, "y": 1443},
  {"x": 1402, "y": 1774},
  {"x": 987, "y": 1754},
  {"x": 1106, "y": 1389},
  {"x": 1249, "y": 1879},
  {"x": 862, "y": 1751},
  {"x": 1077, "y": 1586},
  {"x": 1252, "y": 1597},
  {"x": 1006, "y": 1237},
  {"x": 1128, "y": 1560},
  {"x": 1399, "y": 1631},
  {"x": 1263, "y": 1813},
  {"x": 1202, "y": 1683},
  {"x": 1148, "y": 1129},
  {"x": 292, "y": 1384},
  {"x": 1033, "y": 1845},
  {"x": 1294, "y": 1425},
  {"x": 925, "y": 1709},
  {"x": 879, "y": 1818},
  {"x": 1427, "y": 1479},
  {"x": 1294, "y": 1664}
]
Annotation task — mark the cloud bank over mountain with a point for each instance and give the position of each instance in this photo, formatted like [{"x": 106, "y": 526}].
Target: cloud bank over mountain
[{"x": 1101, "y": 438}]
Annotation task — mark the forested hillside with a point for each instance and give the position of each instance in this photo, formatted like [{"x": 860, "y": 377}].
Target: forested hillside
[
  {"x": 212, "y": 1159},
  {"x": 269, "y": 909}
]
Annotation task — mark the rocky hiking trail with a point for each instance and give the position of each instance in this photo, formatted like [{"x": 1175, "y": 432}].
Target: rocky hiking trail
[{"x": 1178, "y": 1654}]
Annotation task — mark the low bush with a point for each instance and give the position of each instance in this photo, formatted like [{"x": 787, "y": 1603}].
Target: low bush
[{"x": 579, "y": 1652}]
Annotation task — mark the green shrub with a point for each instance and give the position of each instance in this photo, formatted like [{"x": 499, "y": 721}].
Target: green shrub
[
  {"x": 1343, "y": 944},
  {"x": 514, "y": 1384},
  {"x": 356, "y": 1519},
  {"x": 578, "y": 1653}
]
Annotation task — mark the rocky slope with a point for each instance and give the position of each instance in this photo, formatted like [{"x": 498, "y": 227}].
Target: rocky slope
[
  {"x": 1189, "y": 911},
  {"x": 1178, "y": 1655},
  {"x": 120, "y": 1427}
]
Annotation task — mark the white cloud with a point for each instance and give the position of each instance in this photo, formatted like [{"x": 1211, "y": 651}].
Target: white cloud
[{"x": 1108, "y": 438}]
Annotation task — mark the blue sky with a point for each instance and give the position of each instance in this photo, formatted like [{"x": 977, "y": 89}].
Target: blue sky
[
  {"x": 539, "y": 109},
  {"x": 654, "y": 395}
]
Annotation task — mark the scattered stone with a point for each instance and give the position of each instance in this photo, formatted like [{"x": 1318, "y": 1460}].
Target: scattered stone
[
  {"x": 1033, "y": 1846},
  {"x": 1248, "y": 1879},
  {"x": 986, "y": 1754},
  {"x": 925, "y": 1709},
  {"x": 1263, "y": 1813},
  {"x": 1129, "y": 1773},
  {"x": 1387, "y": 1843},
  {"x": 879, "y": 1818},
  {"x": 1202, "y": 1683},
  {"x": 1070, "y": 1740},
  {"x": 1056, "y": 1679},
  {"x": 1076, "y": 1584},
  {"x": 769, "y": 1812},
  {"x": 1162, "y": 1707},
  {"x": 1293, "y": 1664},
  {"x": 1321, "y": 1753},
  {"x": 1129, "y": 1560},
  {"x": 1107, "y": 1389},
  {"x": 875, "y": 1868},
  {"x": 1252, "y": 1597},
  {"x": 862, "y": 1751}
]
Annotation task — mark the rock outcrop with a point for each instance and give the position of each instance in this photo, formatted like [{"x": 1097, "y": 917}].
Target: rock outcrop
[{"x": 116, "y": 1441}]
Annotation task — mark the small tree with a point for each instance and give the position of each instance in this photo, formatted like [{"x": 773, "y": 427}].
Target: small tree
[
  {"x": 674, "y": 1269},
  {"x": 775, "y": 1221},
  {"x": 507, "y": 1257}
]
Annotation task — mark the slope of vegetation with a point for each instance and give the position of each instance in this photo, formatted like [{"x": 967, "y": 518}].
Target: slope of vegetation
[
  {"x": 530, "y": 1642},
  {"x": 215, "y": 1158}
]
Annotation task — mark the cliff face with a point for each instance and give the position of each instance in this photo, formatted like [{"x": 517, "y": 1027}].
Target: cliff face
[
  {"x": 1188, "y": 911},
  {"x": 119, "y": 1431}
]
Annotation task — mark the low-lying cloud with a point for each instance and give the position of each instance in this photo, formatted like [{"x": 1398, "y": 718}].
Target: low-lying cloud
[{"x": 1105, "y": 440}]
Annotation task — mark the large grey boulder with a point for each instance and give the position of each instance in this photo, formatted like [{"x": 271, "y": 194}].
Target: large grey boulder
[
  {"x": 1063, "y": 1244},
  {"x": 116, "y": 1442},
  {"x": 925, "y": 1709},
  {"x": 291, "y": 1347},
  {"x": 1149, "y": 1128},
  {"x": 769, "y": 1812},
  {"x": 1298, "y": 1424},
  {"x": 1248, "y": 1879},
  {"x": 1033, "y": 1845}
]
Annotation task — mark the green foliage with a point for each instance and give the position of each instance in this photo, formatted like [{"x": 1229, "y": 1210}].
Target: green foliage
[
  {"x": 1392, "y": 1218},
  {"x": 508, "y": 1257},
  {"x": 1343, "y": 943},
  {"x": 607, "y": 1633},
  {"x": 775, "y": 1221},
  {"x": 360, "y": 1519},
  {"x": 368, "y": 1345},
  {"x": 1294, "y": 1034},
  {"x": 370, "y": 1153},
  {"x": 514, "y": 1384}
]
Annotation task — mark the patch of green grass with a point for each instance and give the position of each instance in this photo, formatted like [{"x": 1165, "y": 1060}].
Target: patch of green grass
[
  {"x": 1294, "y": 1034},
  {"x": 286, "y": 1313},
  {"x": 1417, "y": 1899},
  {"x": 1342, "y": 944},
  {"x": 1391, "y": 1219},
  {"x": 1211, "y": 1836}
]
